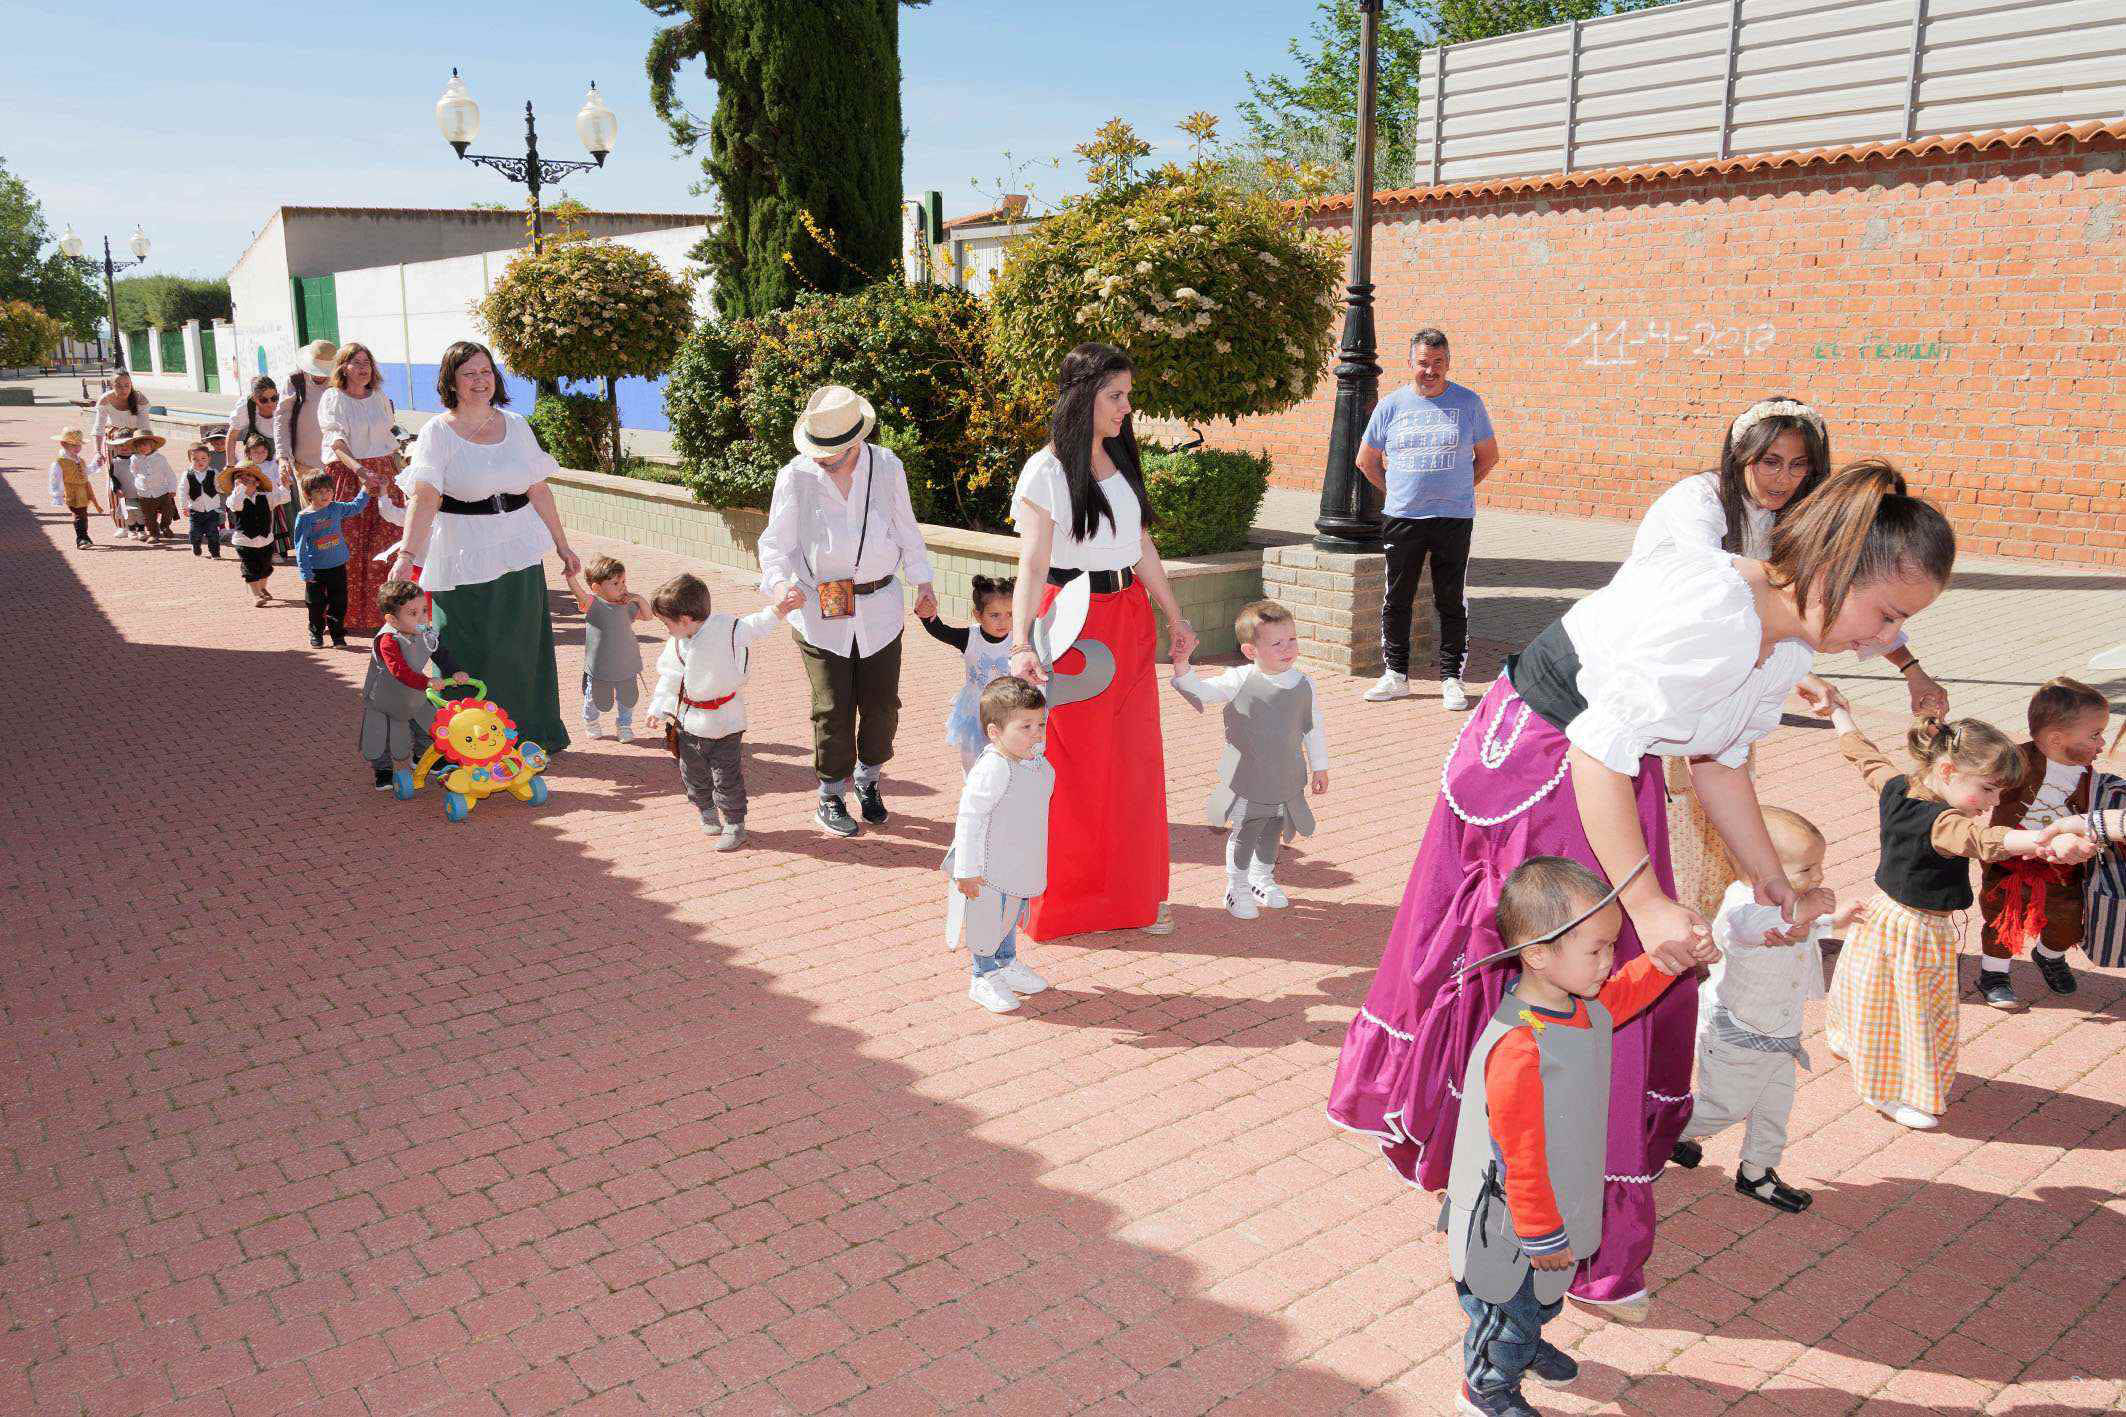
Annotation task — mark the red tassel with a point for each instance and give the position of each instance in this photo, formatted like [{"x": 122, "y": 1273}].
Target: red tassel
[{"x": 2017, "y": 901}]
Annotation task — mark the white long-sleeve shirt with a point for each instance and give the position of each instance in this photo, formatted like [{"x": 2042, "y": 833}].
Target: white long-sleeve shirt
[
  {"x": 707, "y": 665},
  {"x": 363, "y": 423},
  {"x": 1225, "y": 686},
  {"x": 1000, "y": 834},
  {"x": 814, "y": 534},
  {"x": 153, "y": 476}
]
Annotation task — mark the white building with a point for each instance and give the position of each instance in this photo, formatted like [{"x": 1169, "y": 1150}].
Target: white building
[
  {"x": 403, "y": 282},
  {"x": 973, "y": 249}
]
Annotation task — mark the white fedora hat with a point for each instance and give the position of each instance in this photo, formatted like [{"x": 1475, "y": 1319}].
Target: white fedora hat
[
  {"x": 315, "y": 358},
  {"x": 835, "y": 419}
]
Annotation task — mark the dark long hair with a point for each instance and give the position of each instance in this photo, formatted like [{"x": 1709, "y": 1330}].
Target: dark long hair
[
  {"x": 1736, "y": 455},
  {"x": 258, "y": 386},
  {"x": 1085, "y": 371},
  {"x": 132, "y": 397}
]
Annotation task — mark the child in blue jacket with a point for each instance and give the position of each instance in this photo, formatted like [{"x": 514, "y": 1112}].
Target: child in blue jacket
[{"x": 321, "y": 557}]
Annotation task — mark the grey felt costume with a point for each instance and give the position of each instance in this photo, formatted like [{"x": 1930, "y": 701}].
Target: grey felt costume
[
  {"x": 611, "y": 653},
  {"x": 1263, "y": 774},
  {"x": 1483, "y": 1252},
  {"x": 1001, "y": 836},
  {"x": 391, "y": 709}
]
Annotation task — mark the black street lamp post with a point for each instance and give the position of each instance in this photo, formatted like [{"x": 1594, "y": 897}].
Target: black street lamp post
[
  {"x": 1350, "y": 505},
  {"x": 70, "y": 246},
  {"x": 459, "y": 118}
]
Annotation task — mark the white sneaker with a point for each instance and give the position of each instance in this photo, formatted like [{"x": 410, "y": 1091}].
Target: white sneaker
[
  {"x": 991, "y": 993},
  {"x": 1452, "y": 696},
  {"x": 1268, "y": 895},
  {"x": 1163, "y": 922},
  {"x": 591, "y": 728},
  {"x": 1240, "y": 902},
  {"x": 1019, "y": 979},
  {"x": 1911, "y": 1117},
  {"x": 1391, "y": 685},
  {"x": 625, "y": 733}
]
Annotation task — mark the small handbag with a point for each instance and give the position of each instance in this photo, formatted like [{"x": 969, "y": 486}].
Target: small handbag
[
  {"x": 2104, "y": 881},
  {"x": 837, "y": 598}
]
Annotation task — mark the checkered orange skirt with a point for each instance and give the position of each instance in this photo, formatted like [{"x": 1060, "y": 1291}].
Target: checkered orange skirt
[{"x": 1892, "y": 1008}]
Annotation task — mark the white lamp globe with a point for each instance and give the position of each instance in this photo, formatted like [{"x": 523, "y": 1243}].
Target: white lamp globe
[
  {"x": 597, "y": 125},
  {"x": 457, "y": 115},
  {"x": 70, "y": 243},
  {"x": 138, "y": 243}
]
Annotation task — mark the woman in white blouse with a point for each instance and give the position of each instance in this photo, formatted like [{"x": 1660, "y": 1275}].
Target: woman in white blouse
[
  {"x": 480, "y": 522},
  {"x": 1080, "y": 509},
  {"x": 842, "y": 530},
  {"x": 1689, "y": 652},
  {"x": 354, "y": 429},
  {"x": 122, "y": 409}
]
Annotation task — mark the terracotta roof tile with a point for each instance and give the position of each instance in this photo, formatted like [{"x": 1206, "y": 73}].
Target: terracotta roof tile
[{"x": 1748, "y": 162}]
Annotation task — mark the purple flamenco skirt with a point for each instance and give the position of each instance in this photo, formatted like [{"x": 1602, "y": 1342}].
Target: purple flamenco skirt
[{"x": 1506, "y": 795}]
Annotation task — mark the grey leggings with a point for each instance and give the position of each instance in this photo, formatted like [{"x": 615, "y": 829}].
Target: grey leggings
[
  {"x": 1251, "y": 849},
  {"x": 713, "y": 770}
]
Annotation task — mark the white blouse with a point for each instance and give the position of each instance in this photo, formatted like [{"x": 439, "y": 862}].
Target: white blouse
[
  {"x": 364, "y": 423},
  {"x": 112, "y": 420},
  {"x": 1688, "y": 514},
  {"x": 1668, "y": 662},
  {"x": 1044, "y": 484},
  {"x": 472, "y": 549}
]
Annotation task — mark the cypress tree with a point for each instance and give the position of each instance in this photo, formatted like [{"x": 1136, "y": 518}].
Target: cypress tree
[{"x": 804, "y": 143}]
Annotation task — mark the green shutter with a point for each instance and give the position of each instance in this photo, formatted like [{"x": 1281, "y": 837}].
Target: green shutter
[
  {"x": 173, "y": 351},
  {"x": 209, "y": 364},
  {"x": 136, "y": 343},
  {"x": 317, "y": 309}
]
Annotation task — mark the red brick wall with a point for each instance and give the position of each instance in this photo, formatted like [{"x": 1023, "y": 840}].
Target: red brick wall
[{"x": 1959, "y": 313}]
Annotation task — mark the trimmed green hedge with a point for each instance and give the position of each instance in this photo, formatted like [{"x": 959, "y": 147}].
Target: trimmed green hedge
[{"x": 1206, "y": 498}]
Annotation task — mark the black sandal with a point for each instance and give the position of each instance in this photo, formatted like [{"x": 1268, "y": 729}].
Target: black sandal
[{"x": 1781, "y": 1196}]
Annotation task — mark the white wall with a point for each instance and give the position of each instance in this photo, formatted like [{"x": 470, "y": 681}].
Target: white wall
[{"x": 264, "y": 311}]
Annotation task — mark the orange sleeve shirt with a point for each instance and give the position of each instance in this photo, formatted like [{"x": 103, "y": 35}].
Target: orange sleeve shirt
[{"x": 1513, "y": 1087}]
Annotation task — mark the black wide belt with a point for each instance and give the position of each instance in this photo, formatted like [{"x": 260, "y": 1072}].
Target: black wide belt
[
  {"x": 1104, "y": 582},
  {"x": 872, "y": 587},
  {"x": 486, "y": 506}
]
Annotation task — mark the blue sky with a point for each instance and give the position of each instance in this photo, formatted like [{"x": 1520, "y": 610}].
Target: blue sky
[{"x": 201, "y": 120}]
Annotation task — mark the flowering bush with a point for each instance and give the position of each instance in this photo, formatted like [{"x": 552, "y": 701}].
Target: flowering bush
[
  {"x": 919, "y": 355},
  {"x": 1219, "y": 296},
  {"x": 27, "y": 335},
  {"x": 587, "y": 310}
]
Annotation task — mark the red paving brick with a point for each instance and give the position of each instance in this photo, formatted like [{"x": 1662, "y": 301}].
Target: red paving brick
[{"x": 312, "y": 1097}]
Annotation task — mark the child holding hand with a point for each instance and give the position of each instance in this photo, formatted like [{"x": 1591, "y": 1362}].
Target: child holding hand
[
  {"x": 71, "y": 487},
  {"x": 1524, "y": 1191},
  {"x": 612, "y": 656},
  {"x": 395, "y": 693},
  {"x": 321, "y": 557},
  {"x": 1892, "y": 1010},
  {"x": 985, "y": 645}
]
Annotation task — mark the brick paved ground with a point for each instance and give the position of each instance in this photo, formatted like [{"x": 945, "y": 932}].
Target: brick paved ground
[{"x": 313, "y": 1101}]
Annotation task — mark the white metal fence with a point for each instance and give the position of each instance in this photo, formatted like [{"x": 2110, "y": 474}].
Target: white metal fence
[{"x": 1714, "y": 78}]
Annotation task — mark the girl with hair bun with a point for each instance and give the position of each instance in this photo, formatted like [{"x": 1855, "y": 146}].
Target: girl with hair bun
[
  {"x": 985, "y": 645},
  {"x": 1892, "y": 1008},
  {"x": 1689, "y": 652}
]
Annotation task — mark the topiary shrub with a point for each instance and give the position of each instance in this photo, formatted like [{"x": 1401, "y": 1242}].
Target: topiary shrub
[
  {"x": 919, "y": 355},
  {"x": 1205, "y": 498},
  {"x": 573, "y": 428},
  {"x": 1219, "y": 295}
]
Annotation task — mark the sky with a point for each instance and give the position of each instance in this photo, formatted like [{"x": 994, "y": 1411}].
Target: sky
[{"x": 196, "y": 121}]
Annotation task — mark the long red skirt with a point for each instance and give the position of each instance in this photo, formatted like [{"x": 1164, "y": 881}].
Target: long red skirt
[
  {"x": 367, "y": 535},
  {"x": 1107, "y": 834}
]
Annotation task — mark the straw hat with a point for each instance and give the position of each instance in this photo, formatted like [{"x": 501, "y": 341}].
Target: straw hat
[
  {"x": 70, "y": 434},
  {"x": 835, "y": 419},
  {"x": 315, "y": 358},
  {"x": 225, "y": 481},
  {"x": 132, "y": 443}
]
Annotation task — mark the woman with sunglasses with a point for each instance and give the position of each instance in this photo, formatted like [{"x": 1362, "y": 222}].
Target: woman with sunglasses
[{"x": 255, "y": 415}]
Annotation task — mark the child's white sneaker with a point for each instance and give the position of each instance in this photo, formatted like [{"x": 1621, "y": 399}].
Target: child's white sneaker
[
  {"x": 1268, "y": 896},
  {"x": 625, "y": 733},
  {"x": 988, "y": 991},
  {"x": 1911, "y": 1117},
  {"x": 591, "y": 728},
  {"x": 1240, "y": 901},
  {"x": 1019, "y": 979}
]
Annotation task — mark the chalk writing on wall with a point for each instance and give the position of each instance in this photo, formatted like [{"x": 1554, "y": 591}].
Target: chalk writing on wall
[
  {"x": 1614, "y": 343},
  {"x": 1882, "y": 348}
]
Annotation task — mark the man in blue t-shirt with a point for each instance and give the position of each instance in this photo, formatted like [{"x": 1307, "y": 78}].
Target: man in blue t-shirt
[{"x": 1427, "y": 447}]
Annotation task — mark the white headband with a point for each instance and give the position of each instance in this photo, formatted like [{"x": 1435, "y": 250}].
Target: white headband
[{"x": 1756, "y": 413}]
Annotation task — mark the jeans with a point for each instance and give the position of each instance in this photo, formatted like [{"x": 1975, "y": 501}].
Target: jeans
[
  {"x": 602, "y": 694},
  {"x": 1007, "y": 950},
  {"x": 1408, "y": 541},
  {"x": 206, "y": 531},
  {"x": 1502, "y": 1338}
]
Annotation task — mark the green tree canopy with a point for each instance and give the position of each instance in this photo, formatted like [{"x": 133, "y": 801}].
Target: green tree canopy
[
  {"x": 804, "y": 144},
  {"x": 167, "y": 302},
  {"x": 1306, "y": 121},
  {"x": 43, "y": 277}
]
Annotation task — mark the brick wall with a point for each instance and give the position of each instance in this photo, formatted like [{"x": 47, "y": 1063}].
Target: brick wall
[{"x": 1960, "y": 313}]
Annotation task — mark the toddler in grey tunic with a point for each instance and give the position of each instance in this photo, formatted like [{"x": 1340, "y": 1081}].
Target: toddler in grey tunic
[
  {"x": 999, "y": 856},
  {"x": 395, "y": 692},
  {"x": 612, "y": 656},
  {"x": 1274, "y": 746}
]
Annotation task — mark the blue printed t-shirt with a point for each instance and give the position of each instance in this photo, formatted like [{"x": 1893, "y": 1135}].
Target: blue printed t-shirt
[{"x": 1429, "y": 445}]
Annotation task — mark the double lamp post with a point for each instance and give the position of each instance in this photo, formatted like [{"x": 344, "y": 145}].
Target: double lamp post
[
  {"x": 459, "y": 119},
  {"x": 70, "y": 245}
]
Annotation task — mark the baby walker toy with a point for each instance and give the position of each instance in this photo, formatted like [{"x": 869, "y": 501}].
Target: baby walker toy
[{"x": 480, "y": 740}]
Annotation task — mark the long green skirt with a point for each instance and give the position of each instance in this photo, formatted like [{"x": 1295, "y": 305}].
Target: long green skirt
[{"x": 501, "y": 634}]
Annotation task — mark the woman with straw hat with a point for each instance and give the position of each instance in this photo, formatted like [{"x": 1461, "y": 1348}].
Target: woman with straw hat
[{"x": 842, "y": 530}]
